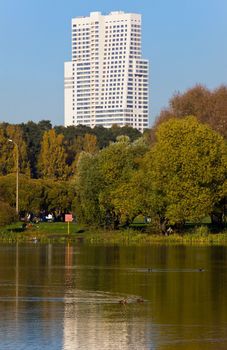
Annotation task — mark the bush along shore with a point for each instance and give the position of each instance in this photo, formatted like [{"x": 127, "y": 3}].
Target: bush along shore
[{"x": 61, "y": 233}]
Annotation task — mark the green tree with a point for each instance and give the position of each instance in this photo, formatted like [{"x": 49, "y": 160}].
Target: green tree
[
  {"x": 88, "y": 186},
  {"x": 184, "y": 172},
  {"x": 7, "y": 214},
  {"x": 58, "y": 197},
  {"x": 106, "y": 184},
  {"x": 32, "y": 134},
  {"x": 37, "y": 195},
  {"x": 8, "y": 189},
  {"x": 30, "y": 192},
  {"x": 6, "y": 154},
  {"x": 126, "y": 130},
  {"x": 120, "y": 196}
]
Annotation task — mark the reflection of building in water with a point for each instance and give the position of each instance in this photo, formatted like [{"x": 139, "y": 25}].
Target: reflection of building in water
[
  {"x": 95, "y": 320},
  {"x": 68, "y": 265},
  {"x": 103, "y": 325}
]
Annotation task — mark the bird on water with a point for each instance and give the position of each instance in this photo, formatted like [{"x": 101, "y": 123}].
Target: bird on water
[
  {"x": 123, "y": 301},
  {"x": 140, "y": 300}
]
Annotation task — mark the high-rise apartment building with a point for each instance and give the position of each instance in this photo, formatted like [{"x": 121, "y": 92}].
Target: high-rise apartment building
[{"x": 106, "y": 82}]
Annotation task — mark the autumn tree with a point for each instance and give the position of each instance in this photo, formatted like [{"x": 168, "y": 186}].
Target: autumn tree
[
  {"x": 86, "y": 143},
  {"x": 15, "y": 133},
  {"x": 52, "y": 158},
  {"x": 208, "y": 106},
  {"x": 8, "y": 151}
]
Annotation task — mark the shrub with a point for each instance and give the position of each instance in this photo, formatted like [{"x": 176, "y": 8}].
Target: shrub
[
  {"x": 202, "y": 231},
  {"x": 7, "y": 214}
]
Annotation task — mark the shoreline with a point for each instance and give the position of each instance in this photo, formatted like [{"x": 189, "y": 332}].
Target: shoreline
[
  {"x": 57, "y": 233},
  {"x": 129, "y": 238}
]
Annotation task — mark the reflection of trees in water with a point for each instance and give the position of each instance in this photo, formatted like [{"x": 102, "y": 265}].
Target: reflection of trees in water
[
  {"x": 79, "y": 287},
  {"x": 179, "y": 295}
]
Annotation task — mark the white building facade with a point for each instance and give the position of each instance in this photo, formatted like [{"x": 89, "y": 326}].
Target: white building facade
[{"x": 106, "y": 82}]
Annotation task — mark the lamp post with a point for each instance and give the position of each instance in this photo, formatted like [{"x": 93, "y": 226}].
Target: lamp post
[{"x": 17, "y": 174}]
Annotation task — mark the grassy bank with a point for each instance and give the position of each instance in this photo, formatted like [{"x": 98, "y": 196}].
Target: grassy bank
[
  {"x": 134, "y": 238},
  {"x": 58, "y": 232},
  {"x": 41, "y": 232}
]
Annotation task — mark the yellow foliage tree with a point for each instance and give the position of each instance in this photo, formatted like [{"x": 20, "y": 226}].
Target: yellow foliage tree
[
  {"x": 52, "y": 158},
  {"x": 8, "y": 152},
  {"x": 185, "y": 171}
]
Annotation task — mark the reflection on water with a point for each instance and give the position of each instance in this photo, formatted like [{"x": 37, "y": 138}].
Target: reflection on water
[
  {"x": 81, "y": 297},
  {"x": 100, "y": 322}
]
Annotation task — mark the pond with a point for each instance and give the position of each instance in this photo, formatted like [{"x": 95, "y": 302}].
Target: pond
[{"x": 100, "y": 297}]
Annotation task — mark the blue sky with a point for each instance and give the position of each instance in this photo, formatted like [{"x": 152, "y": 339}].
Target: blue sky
[{"x": 185, "y": 41}]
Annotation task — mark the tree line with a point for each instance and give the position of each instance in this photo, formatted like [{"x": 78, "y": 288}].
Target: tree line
[
  {"x": 52, "y": 152},
  {"x": 180, "y": 178},
  {"x": 173, "y": 173},
  {"x": 47, "y": 164}
]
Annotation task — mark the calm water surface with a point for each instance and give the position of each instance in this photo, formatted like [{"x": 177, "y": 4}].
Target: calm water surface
[{"x": 67, "y": 297}]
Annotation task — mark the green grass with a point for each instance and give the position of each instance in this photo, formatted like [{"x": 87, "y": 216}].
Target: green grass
[
  {"x": 54, "y": 227},
  {"x": 58, "y": 232},
  {"x": 43, "y": 232},
  {"x": 132, "y": 237}
]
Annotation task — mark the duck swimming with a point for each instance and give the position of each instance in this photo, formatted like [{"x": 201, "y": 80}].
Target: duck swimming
[
  {"x": 123, "y": 301},
  {"x": 140, "y": 300}
]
